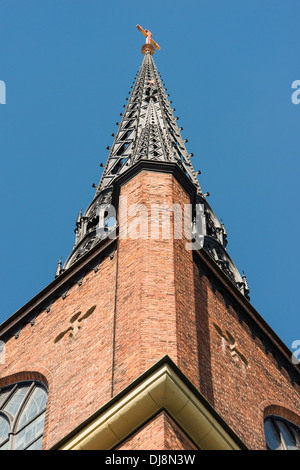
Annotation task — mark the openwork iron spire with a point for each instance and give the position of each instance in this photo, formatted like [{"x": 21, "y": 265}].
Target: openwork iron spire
[{"x": 148, "y": 131}]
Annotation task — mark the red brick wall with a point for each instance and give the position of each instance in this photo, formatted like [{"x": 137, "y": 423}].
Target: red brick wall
[
  {"x": 150, "y": 315},
  {"x": 155, "y": 304},
  {"x": 160, "y": 433},
  {"x": 149, "y": 301},
  {"x": 77, "y": 370},
  {"x": 239, "y": 393},
  {"x": 175, "y": 438}
]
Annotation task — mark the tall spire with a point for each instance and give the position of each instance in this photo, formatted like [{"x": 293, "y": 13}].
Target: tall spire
[{"x": 148, "y": 131}]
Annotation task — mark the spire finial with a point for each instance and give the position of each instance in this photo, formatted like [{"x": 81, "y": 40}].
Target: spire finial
[{"x": 150, "y": 45}]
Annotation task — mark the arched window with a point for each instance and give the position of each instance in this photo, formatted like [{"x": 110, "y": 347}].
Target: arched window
[
  {"x": 22, "y": 416},
  {"x": 281, "y": 434}
]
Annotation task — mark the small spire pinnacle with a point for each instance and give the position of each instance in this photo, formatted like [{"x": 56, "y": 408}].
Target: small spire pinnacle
[
  {"x": 58, "y": 269},
  {"x": 150, "y": 45},
  {"x": 79, "y": 217},
  {"x": 245, "y": 280},
  {"x": 224, "y": 229},
  {"x": 247, "y": 289}
]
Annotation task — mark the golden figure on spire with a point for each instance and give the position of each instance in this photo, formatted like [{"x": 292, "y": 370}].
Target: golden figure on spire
[{"x": 150, "y": 45}]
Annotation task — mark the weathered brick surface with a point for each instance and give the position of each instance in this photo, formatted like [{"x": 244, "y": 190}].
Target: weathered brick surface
[
  {"x": 150, "y": 301},
  {"x": 155, "y": 301},
  {"x": 160, "y": 433},
  {"x": 242, "y": 394},
  {"x": 175, "y": 438}
]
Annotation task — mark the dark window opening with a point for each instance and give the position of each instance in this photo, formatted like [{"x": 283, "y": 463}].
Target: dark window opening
[
  {"x": 123, "y": 148},
  {"x": 117, "y": 167},
  {"x": 126, "y": 135},
  {"x": 131, "y": 114},
  {"x": 129, "y": 124},
  {"x": 92, "y": 223},
  {"x": 281, "y": 434}
]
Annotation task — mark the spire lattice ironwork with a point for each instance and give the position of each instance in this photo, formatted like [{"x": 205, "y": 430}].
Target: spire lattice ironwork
[{"x": 148, "y": 130}]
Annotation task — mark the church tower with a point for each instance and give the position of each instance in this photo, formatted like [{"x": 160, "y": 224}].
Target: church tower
[{"x": 146, "y": 338}]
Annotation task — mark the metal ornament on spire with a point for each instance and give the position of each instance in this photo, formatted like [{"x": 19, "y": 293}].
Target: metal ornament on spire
[{"x": 150, "y": 45}]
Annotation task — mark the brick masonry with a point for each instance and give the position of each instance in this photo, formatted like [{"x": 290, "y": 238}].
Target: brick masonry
[
  {"x": 155, "y": 301},
  {"x": 238, "y": 377},
  {"x": 77, "y": 368},
  {"x": 146, "y": 301},
  {"x": 160, "y": 433}
]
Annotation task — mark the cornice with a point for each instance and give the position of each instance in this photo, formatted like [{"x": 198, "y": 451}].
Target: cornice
[{"x": 157, "y": 167}]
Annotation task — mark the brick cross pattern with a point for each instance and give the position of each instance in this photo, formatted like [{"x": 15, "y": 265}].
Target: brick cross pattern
[
  {"x": 75, "y": 326},
  {"x": 231, "y": 345}
]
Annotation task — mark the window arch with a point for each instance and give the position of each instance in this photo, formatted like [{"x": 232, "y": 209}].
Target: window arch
[
  {"x": 281, "y": 434},
  {"x": 22, "y": 415}
]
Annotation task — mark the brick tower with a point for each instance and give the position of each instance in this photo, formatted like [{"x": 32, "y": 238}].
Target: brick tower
[{"x": 146, "y": 338}]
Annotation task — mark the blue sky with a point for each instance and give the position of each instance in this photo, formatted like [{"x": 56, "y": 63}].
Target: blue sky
[{"x": 228, "y": 65}]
